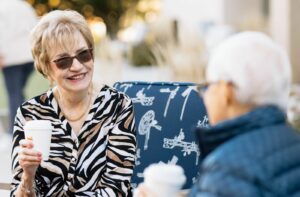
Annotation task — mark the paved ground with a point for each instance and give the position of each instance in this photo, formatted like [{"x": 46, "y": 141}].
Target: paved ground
[{"x": 5, "y": 173}]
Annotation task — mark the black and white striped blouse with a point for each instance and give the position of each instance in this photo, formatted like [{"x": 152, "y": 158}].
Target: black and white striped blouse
[{"x": 97, "y": 162}]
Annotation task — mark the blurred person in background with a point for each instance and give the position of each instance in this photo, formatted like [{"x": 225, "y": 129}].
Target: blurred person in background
[
  {"x": 250, "y": 149},
  {"x": 93, "y": 141},
  {"x": 17, "y": 18}
]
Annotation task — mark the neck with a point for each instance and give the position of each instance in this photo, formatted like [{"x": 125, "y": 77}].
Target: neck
[
  {"x": 72, "y": 99},
  {"x": 238, "y": 110},
  {"x": 74, "y": 106}
]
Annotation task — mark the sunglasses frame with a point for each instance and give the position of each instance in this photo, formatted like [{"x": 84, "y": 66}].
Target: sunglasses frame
[
  {"x": 71, "y": 58},
  {"x": 203, "y": 86}
]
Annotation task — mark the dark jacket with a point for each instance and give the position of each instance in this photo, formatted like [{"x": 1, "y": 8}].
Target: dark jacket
[{"x": 254, "y": 155}]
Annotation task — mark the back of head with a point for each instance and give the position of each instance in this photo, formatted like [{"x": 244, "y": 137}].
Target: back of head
[
  {"x": 259, "y": 69},
  {"x": 57, "y": 29}
]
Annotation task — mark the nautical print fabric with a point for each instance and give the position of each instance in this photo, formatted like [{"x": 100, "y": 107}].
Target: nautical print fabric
[
  {"x": 166, "y": 115},
  {"x": 97, "y": 162}
]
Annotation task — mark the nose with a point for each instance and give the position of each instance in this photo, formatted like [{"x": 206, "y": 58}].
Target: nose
[{"x": 76, "y": 65}]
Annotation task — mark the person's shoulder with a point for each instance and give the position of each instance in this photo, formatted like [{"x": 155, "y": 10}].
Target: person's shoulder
[
  {"x": 112, "y": 93},
  {"x": 273, "y": 137},
  {"x": 254, "y": 147},
  {"x": 41, "y": 99}
]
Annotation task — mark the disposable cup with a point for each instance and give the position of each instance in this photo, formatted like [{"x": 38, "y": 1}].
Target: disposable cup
[
  {"x": 40, "y": 133},
  {"x": 164, "y": 180}
]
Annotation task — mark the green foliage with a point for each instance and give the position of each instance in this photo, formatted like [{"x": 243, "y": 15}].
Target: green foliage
[
  {"x": 110, "y": 10},
  {"x": 141, "y": 55}
]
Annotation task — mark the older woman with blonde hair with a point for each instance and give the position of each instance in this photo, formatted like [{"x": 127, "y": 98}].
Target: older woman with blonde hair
[
  {"x": 250, "y": 149},
  {"x": 93, "y": 141}
]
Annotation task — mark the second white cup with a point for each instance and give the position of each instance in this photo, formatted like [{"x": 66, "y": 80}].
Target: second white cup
[{"x": 164, "y": 179}]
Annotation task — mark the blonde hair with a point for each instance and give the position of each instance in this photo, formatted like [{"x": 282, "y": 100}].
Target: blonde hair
[{"x": 57, "y": 28}]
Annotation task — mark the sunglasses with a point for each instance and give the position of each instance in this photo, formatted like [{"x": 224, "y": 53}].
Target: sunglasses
[{"x": 66, "y": 62}]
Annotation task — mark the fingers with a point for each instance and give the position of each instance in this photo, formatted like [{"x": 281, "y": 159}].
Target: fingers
[
  {"x": 29, "y": 158},
  {"x": 26, "y": 160},
  {"x": 26, "y": 143},
  {"x": 143, "y": 191},
  {"x": 27, "y": 155}
]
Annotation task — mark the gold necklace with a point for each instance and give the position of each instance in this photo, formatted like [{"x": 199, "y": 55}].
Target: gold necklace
[{"x": 81, "y": 115}]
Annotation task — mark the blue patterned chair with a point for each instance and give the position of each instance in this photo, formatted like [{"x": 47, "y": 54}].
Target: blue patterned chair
[{"x": 166, "y": 115}]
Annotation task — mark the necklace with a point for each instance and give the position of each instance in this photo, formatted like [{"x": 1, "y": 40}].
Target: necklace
[{"x": 74, "y": 119}]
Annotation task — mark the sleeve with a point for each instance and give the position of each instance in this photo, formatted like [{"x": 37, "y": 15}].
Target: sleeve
[
  {"x": 223, "y": 181},
  {"x": 2, "y": 29},
  {"x": 120, "y": 154},
  {"x": 18, "y": 134}
]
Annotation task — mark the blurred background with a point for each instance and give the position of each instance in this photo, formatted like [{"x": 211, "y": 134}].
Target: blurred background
[{"x": 170, "y": 40}]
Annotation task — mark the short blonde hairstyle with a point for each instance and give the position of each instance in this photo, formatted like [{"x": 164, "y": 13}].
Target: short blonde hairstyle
[{"x": 57, "y": 28}]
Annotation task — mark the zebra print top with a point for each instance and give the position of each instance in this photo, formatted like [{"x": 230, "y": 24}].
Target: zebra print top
[{"x": 97, "y": 162}]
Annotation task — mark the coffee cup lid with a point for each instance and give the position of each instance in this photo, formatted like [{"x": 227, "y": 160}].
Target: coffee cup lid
[{"x": 38, "y": 124}]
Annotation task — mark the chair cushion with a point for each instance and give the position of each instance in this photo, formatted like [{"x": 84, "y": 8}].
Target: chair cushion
[{"x": 166, "y": 115}]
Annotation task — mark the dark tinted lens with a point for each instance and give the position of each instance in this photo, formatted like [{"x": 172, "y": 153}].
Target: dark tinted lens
[
  {"x": 64, "y": 63},
  {"x": 84, "y": 56}
]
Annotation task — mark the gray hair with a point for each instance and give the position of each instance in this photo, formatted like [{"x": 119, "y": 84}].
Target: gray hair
[{"x": 256, "y": 65}]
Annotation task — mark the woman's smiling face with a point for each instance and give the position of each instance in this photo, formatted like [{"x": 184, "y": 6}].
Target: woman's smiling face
[{"x": 78, "y": 76}]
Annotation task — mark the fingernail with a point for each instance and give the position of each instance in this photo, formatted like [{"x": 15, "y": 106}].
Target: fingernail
[{"x": 29, "y": 138}]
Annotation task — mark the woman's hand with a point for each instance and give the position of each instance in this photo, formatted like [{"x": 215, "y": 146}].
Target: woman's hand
[
  {"x": 29, "y": 158},
  {"x": 143, "y": 191}
]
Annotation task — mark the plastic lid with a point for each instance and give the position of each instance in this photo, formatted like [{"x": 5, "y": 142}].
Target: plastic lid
[{"x": 38, "y": 124}]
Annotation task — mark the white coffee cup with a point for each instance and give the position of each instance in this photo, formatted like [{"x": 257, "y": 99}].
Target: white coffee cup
[
  {"x": 40, "y": 132},
  {"x": 164, "y": 180}
]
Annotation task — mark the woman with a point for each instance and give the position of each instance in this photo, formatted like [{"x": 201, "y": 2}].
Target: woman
[
  {"x": 93, "y": 141},
  {"x": 250, "y": 150}
]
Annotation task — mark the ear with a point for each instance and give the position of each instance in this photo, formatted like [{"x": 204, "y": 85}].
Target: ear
[{"x": 228, "y": 93}]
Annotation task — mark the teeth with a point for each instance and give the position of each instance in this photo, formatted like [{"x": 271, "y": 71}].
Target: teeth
[{"x": 77, "y": 77}]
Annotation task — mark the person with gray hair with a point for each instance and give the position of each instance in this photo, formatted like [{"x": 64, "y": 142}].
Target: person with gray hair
[{"x": 249, "y": 149}]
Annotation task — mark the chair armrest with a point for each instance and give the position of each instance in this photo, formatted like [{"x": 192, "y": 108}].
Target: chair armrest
[{"x": 4, "y": 186}]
